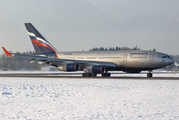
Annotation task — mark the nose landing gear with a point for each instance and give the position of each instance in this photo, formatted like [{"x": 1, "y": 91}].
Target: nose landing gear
[{"x": 149, "y": 74}]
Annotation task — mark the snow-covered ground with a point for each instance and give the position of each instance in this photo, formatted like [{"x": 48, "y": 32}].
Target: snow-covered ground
[{"x": 88, "y": 99}]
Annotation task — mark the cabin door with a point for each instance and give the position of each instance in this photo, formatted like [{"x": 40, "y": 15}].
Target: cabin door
[
  {"x": 151, "y": 57},
  {"x": 125, "y": 58}
]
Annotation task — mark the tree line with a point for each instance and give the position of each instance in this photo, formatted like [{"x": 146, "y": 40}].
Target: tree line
[{"x": 116, "y": 48}]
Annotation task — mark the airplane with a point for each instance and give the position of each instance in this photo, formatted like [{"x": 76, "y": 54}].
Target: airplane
[{"x": 93, "y": 62}]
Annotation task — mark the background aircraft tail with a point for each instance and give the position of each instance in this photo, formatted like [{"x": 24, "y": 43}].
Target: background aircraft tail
[{"x": 41, "y": 45}]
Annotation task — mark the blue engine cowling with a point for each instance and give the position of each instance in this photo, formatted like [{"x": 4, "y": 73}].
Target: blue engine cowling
[
  {"x": 69, "y": 67},
  {"x": 98, "y": 69},
  {"x": 94, "y": 69},
  {"x": 72, "y": 67}
]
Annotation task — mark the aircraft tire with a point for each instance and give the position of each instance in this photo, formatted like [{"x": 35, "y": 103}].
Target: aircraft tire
[
  {"x": 84, "y": 74},
  {"x": 106, "y": 74},
  {"x": 94, "y": 75},
  {"x": 149, "y": 75},
  {"x": 88, "y": 74}
]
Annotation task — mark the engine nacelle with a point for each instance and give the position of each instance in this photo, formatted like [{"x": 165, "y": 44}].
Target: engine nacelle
[
  {"x": 94, "y": 69},
  {"x": 69, "y": 67}
]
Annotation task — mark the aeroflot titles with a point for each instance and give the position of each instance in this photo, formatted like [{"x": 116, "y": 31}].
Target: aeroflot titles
[{"x": 139, "y": 53}]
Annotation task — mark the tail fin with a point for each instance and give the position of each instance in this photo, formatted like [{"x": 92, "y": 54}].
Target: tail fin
[{"x": 41, "y": 45}]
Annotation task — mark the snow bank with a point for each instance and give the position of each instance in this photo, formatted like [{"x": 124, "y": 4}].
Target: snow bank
[{"x": 88, "y": 99}]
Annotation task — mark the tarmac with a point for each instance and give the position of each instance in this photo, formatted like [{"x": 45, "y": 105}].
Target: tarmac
[{"x": 78, "y": 76}]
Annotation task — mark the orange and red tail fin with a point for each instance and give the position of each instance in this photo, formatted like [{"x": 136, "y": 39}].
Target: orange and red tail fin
[{"x": 6, "y": 52}]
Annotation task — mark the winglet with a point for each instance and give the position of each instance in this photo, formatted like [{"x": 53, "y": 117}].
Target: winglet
[{"x": 7, "y": 53}]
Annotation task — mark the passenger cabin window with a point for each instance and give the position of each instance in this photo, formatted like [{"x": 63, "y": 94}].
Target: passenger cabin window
[
  {"x": 91, "y": 57},
  {"x": 109, "y": 57},
  {"x": 80, "y": 57}
]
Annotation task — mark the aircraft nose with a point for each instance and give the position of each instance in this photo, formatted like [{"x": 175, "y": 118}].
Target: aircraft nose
[{"x": 170, "y": 61}]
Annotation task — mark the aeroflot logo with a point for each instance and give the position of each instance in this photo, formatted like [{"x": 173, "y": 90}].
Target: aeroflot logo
[
  {"x": 40, "y": 41},
  {"x": 139, "y": 53}
]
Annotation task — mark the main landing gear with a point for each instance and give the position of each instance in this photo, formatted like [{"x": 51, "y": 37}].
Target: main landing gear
[
  {"x": 94, "y": 74},
  {"x": 89, "y": 74},
  {"x": 106, "y": 74},
  {"x": 149, "y": 74}
]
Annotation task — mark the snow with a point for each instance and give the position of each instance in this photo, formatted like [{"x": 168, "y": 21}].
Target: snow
[{"x": 88, "y": 99}]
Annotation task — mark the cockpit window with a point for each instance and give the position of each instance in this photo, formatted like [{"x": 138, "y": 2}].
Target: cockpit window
[{"x": 166, "y": 56}]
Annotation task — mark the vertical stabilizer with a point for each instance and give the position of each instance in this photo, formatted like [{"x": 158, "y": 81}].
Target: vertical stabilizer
[{"x": 41, "y": 45}]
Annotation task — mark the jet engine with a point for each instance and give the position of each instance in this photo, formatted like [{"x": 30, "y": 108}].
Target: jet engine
[
  {"x": 94, "y": 69},
  {"x": 69, "y": 67}
]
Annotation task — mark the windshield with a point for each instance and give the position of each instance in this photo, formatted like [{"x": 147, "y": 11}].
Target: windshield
[{"x": 166, "y": 56}]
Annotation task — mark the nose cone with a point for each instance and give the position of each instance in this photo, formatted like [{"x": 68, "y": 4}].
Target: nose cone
[{"x": 170, "y": 61}]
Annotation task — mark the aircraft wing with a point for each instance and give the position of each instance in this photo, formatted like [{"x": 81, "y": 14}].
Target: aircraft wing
[{"x": 58, "y": 62}]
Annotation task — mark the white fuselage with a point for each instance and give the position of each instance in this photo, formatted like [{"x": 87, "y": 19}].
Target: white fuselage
[{"x": 144, "y": 60}]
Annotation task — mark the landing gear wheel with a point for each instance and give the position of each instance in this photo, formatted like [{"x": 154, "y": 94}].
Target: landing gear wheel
[
  {"x": 84, "y": 74},
  {"x": 94, "y": 75},
  {"x": 89, "y": 74},
  {"x": 106, "y": 74},
  {"x": 149, "y": 75}
]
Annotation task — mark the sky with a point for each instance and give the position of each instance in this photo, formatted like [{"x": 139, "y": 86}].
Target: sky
[{"x": 76, "y": 25}]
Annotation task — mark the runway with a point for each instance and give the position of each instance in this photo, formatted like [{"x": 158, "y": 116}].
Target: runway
[{"x": 78, "y": 76}]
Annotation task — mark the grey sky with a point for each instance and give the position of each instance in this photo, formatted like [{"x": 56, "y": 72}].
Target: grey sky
[{"x": 83, "y": 24}]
